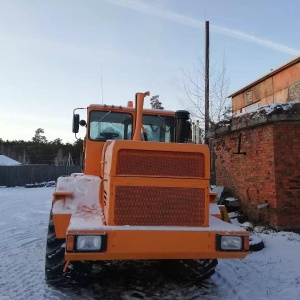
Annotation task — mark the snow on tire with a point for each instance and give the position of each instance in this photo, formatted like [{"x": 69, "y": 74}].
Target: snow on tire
[{"x": 256, "y": 243}]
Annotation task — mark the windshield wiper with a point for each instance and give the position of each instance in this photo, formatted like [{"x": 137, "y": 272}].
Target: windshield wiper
[
  {"x": 96, "y": 124},
  {"x": 162, "y": 119},
  {"x": 168, "y": 126},
  {"x": 104, "y": 116}
]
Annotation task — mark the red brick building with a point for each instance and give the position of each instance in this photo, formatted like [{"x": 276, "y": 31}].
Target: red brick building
[{"x": 257, "y": 156}]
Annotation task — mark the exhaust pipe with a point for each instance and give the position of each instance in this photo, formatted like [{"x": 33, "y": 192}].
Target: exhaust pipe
[{"x": 139, "y": 104}]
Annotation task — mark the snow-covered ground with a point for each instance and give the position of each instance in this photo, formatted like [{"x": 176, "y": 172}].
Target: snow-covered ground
[{"x": 272, "y": 273}]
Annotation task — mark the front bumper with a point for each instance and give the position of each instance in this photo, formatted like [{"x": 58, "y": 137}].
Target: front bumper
[{"x": 160, "y": 242}]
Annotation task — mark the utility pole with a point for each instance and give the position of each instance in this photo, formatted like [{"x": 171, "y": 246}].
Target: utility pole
[{"x": 206, "y": 81}]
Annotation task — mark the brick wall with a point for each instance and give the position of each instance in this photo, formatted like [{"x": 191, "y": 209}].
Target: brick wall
[
  {"x": 269, "y": 171},
  {"x": 287, "y": 171}
]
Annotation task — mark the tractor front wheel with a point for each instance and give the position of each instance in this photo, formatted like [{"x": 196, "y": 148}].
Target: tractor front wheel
[
  {"x": 190, "y": 269},
  {"x": 55, "y": 256},
  {"x": 55, "y": 261}
]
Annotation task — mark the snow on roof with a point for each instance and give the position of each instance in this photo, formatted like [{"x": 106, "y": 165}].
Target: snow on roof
[
  {"x": 270, "y": 109},
  {"x": 6, "y": 161}
]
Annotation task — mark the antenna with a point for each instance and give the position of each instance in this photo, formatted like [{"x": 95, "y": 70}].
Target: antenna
[{"x": 101, "y": 86}]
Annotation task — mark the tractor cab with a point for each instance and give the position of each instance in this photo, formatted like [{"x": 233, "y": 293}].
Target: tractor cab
[{"x": 112, "y": 122}]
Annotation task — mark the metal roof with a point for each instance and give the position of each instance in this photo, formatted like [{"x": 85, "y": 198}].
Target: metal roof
[
  {"x": 272, "y": 73},
  {"x": 6, "y": 161}
]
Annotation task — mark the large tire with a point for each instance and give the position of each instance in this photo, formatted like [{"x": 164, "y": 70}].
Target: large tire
[
  {"x": 256, "y": 243},
  {"x": 189, "y": 269},
  {"x": 55, "y": 256},
  {"x": 55, "y": 261}
]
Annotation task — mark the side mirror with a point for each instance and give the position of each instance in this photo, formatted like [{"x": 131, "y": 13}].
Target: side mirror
[{"x": 75, "y": 125}]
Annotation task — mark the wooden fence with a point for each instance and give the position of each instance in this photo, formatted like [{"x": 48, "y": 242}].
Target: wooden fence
[{"x": 28, "y": 174}]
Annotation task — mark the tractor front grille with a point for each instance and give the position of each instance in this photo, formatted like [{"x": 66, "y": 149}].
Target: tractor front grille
[
  {"x": 159, "y": 206},
  {"x": 132, "y": 162}
]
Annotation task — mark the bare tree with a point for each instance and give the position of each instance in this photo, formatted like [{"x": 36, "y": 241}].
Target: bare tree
[{"x": 194, "y": 90}]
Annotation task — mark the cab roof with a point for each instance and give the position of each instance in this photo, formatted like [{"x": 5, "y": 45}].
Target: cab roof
[{"x": 130, "y": 109}]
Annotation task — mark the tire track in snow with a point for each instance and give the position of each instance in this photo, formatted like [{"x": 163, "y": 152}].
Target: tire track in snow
[
  {"x": 22, "y": 242},
  {"x": 227, "y": 286}
]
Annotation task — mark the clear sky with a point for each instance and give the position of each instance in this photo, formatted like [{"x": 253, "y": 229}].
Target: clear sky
[{"x": 52, "y": 53}]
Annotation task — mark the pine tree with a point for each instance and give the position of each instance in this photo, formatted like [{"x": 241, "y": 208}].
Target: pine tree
[
  {"x": 155, "y": 103},
  {"x": 39, "y": 137}
]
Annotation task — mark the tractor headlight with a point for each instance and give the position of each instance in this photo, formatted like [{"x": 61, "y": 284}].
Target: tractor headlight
[
  {"x": 229, "y": 243},
  {"x": 87, "y": 243}
]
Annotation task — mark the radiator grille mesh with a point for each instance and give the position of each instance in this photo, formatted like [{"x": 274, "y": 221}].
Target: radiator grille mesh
[
  {"x": 159, "y": 206},
  {"x": 160, "y": 163}
]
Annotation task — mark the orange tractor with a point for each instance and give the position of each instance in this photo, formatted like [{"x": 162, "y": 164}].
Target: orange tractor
[{"x": 144, "y": 194}]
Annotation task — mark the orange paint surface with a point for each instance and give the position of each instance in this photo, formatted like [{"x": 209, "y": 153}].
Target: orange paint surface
[{"x": 148, "y": 184}]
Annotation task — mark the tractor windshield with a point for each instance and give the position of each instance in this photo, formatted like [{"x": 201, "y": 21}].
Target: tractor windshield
[
  {"x": 107, "y": 125},
  {"x": 159, "y": 128}
]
